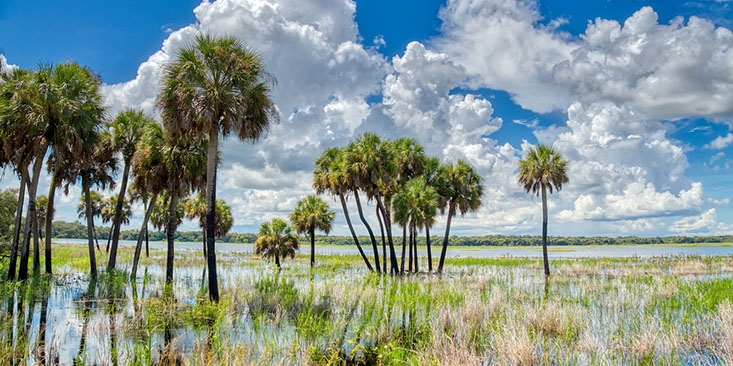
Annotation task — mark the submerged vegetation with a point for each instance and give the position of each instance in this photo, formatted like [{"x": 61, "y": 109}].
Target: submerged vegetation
[{"x": 480, "y": 311}]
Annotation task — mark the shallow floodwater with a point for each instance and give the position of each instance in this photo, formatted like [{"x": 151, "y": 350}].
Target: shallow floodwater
[
  {"x": 110, "y": 321},
  {"x": 608, "y": 251}
]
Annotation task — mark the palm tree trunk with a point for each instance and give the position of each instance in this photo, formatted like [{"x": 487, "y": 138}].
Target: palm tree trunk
[
  {"x": 544, "y": 231},
  {"x": 353, "y": 234},
  {"x": 49, "y": 220},
  {"x": 143, "y": 228},
  {"x": 388, "y": 227},
  {"x": 404, "y": 240},
  {"x": 384, "y": 243},
  {"x": 96, "y": 239},
  {"x": 118, "y": 217},
  {"x": 36, "y": 247},
  {"x": 211, "y": 160},
  {"x": 369, "y": 229},
  {"x": 147, "y": 242},
  {"x": 451, "y": 213},
  {"x": 90, "y": 225},
  {"x": 277, "y": 261},
  {"x": 109, "y": 237},
  {"x": 171, "y": 232},
  {"x": 409, "y": 252},
  {"x": 313, "y": 247},
  {"x": 18, "y": 220},
  {"x": 414, "y": 228},
  {"x": 427, "y": 242},
  {"x": 30, "y": 216}
]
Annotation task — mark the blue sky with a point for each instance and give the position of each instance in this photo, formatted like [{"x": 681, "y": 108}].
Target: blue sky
[{"x": 115, "y": 38}]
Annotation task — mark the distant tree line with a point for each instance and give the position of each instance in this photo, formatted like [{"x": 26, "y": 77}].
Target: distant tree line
[{"x": 75, "y": 230}]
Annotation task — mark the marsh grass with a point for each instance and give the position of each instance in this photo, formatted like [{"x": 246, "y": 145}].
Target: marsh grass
[{"x": 673, "y": 310}]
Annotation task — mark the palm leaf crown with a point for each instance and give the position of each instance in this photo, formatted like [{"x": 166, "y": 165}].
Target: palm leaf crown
[
  {"x": 312, "y": 213},
  {"x": 217, "y": 82},
  {"x": 543, "y": 167},
  {"x": 276, "y": 238}
]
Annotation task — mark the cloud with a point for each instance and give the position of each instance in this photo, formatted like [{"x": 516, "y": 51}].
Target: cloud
[
  {"x": 720, "y": 142},
  {"x": 4, "y": 66},
  {"x": 698, "y": 223},
  {"x": 666, "y": 71},
  {"x": 502, "y": 46}
]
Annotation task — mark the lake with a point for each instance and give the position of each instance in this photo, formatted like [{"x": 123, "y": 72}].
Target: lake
[{"x": 609, "y": 251}]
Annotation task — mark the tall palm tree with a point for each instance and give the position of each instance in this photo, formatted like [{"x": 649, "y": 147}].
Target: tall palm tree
[
  {"x": 71, "y": 105},
  {"x": 416, "y": 206},
  {"x": 184, "y": 163},
  {"x": 331, "y": 176},
  {"x": 311, "y": 214},
  {"x": 97, "y": 169},
  {"x": 460, "y": 189},
  {"x": 541, "y": 170},
  {"x": 276, "y": 239},
  {"x": 372, "y": 166},
  {"x": 23, "y": 143},
  {"x": 217, "y": 86},
  {"x": 126, "y": 130},
  {"x": 195, "y": 209}
]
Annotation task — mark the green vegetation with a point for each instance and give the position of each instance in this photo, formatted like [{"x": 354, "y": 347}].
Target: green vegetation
[{"x": 591, "y": 311}]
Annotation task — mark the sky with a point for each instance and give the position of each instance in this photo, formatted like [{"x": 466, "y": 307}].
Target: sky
[{"x": 637, "y": 95}]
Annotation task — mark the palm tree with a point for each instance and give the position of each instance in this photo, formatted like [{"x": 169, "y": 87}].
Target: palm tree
[
  {"x": 195, "y": 209},
  {"x": 41, "y": 203},
  {"x": 72, "y": 107},
  {"x": 541, "y": 170},
  {"x": 312, "y": 214},
  {"x": 460, "y": 189},
  {"x": 23, "y": 143},
  {"x": 330, "y": 176},
  {"x": 97, "y": 206},
  {"x": 276, "y": 239},
  {"x": 364, "y": 163},
  {"x": 96, "y": 169},
  {"x": 217, "y": 85},
  {"x": 126, "y": 132},
  {"x": 416, "y": 206}
]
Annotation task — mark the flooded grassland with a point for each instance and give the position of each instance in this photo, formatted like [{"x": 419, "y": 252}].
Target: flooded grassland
[{"x": 657, "y": 310}]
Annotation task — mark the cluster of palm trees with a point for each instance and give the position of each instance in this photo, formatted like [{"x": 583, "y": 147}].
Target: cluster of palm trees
[
  {"x": 406, "y": 186},
  {"x": 54, "y": 116}
]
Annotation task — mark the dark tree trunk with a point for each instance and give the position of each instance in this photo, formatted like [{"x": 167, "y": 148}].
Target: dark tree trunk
[
  {"x": 451, "y": 213},
  {"x": 118, "y": 217},
  {"x": 90, "y": 226},
  {"x": 427, "y": 242},
  {"x": 18, "y": 221},
  {"x": 409, "y": 250},
  {"x": 388, "y": 227},
  {"x": 277, "y": 261},
  {"x": 544, "y": 231},
  {"x": 143, "y": 228},
  {"x": 36, "y": 246},
  {"x": 384, "y": 243},
  {"x": 313, "y": 247},
  {"x": 147, "y": 242},
  {"x": 417, "y": 268},
  {"x": 171, "y": 233},
  {"x": 353, "y": 234},
  {"x": 369, "y": 229},
  {"x": 49, "y": 221},
  {"x": 30, "y": 217},
  {"x": 96, "y": 239},
  {"x": 109, "y": 237},
  {"x": 211, "y": 160},
  {"x": 404, "y": 242}
]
